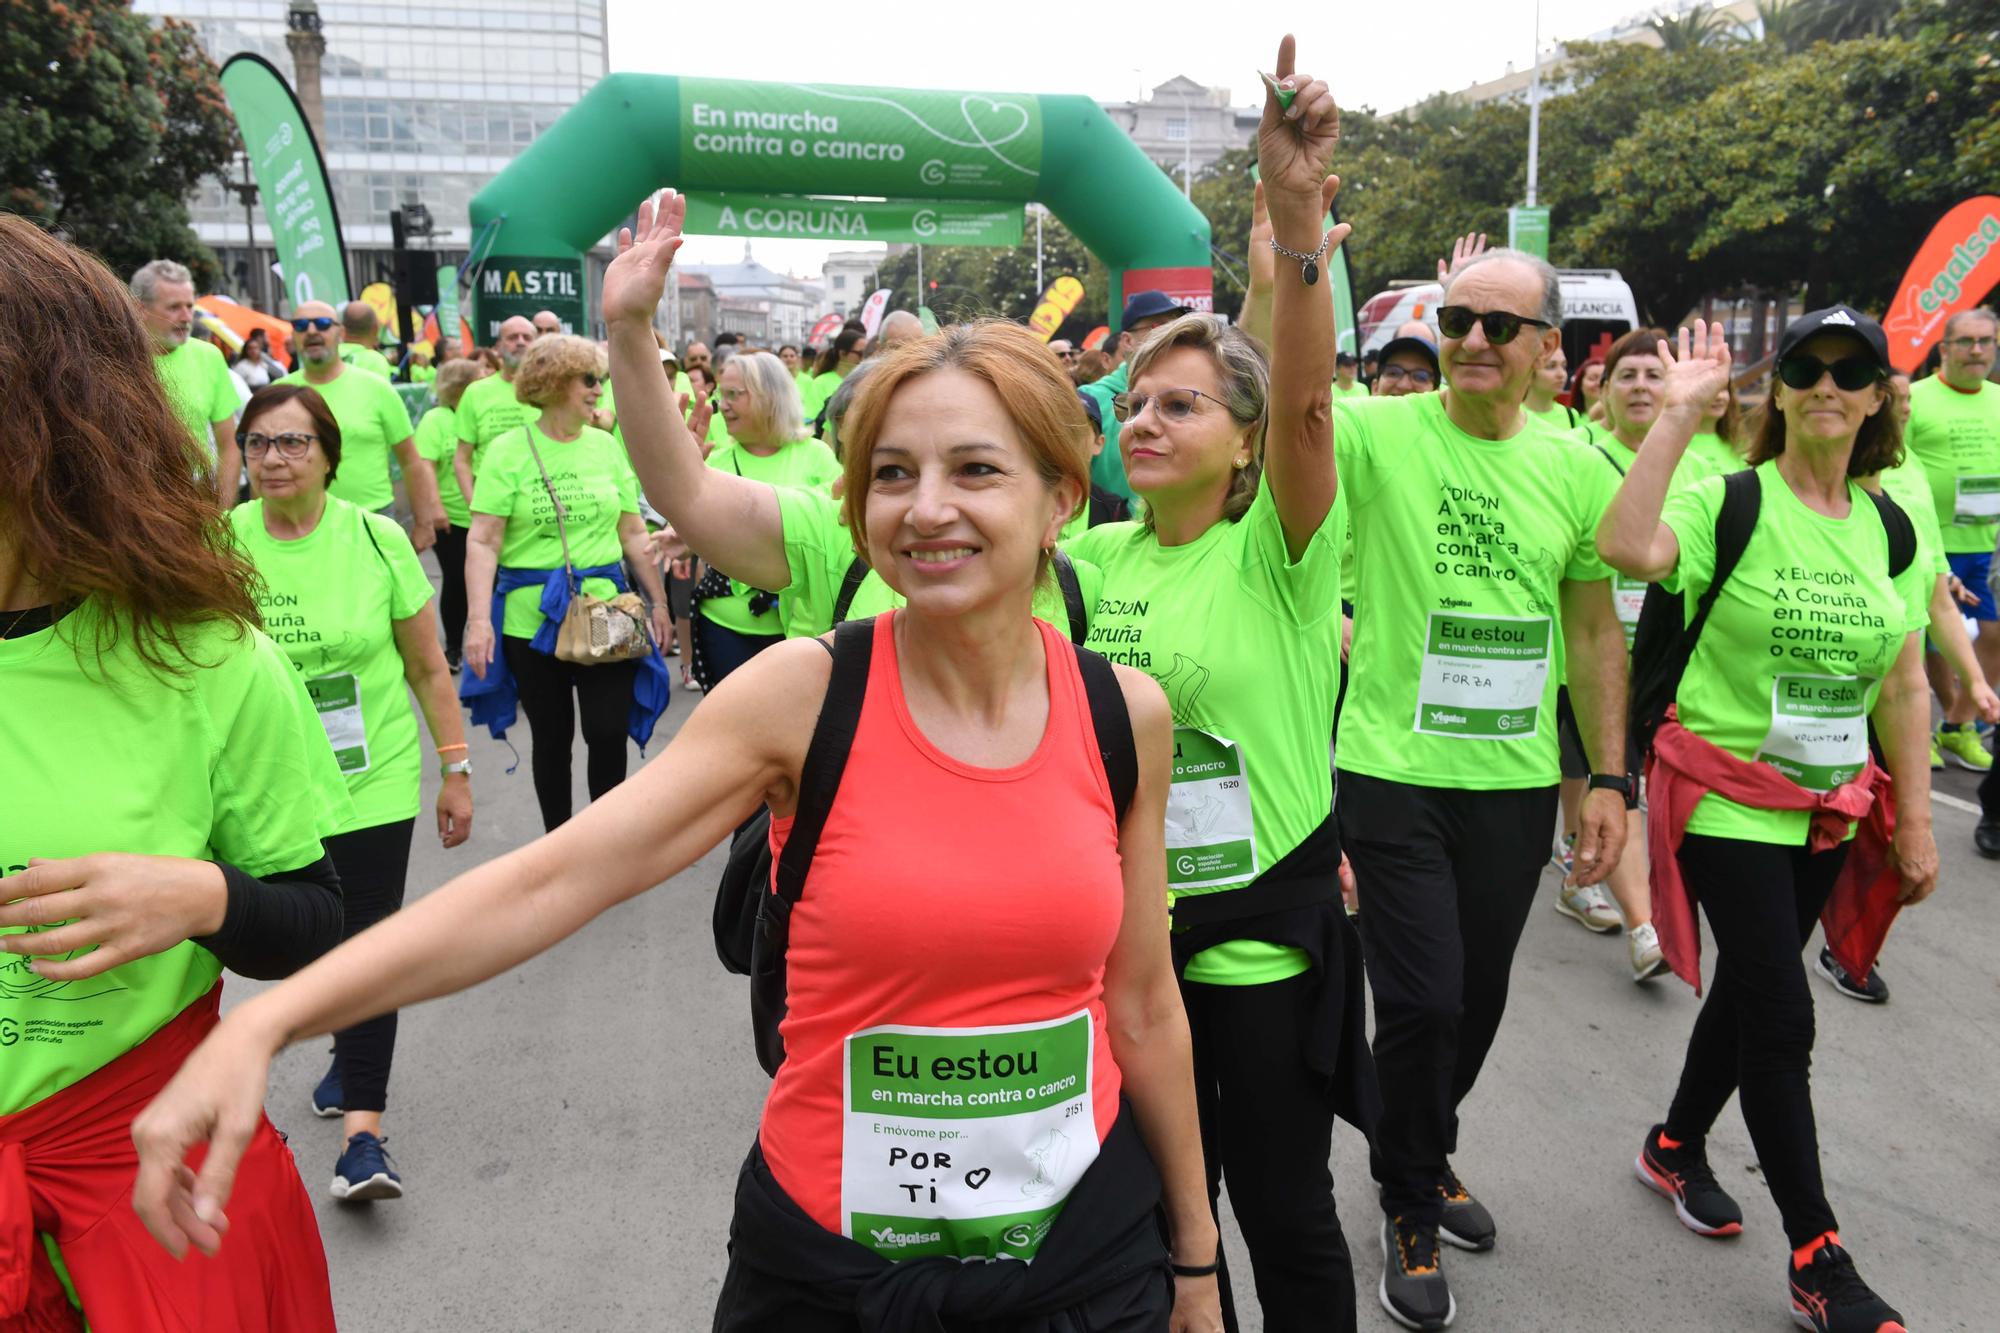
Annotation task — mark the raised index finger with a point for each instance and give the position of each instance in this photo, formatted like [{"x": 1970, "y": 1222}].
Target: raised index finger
[{"x": 1287, "y": 53}]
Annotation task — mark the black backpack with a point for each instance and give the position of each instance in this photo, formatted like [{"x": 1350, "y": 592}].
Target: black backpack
[
  {"x": 752, "y": 923},
  {"x": 1664, "y": 638},
  {"x": 1066, "y": 580}
]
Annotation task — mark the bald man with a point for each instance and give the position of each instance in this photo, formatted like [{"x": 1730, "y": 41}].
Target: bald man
[
  {"x": 360, "y": 330},
  {"x": 546, "y": 322},
  {"x": 898, "y": 328},
  {"x": 489, "y": 408},
  {"x": 372, "y": 421}
]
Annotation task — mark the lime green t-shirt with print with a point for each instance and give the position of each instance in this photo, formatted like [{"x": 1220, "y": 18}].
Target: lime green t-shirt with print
[
  {"x": 487, "y": 410},
  {"x": 225, "y": 762},
  {"x": 1797, "y": 645},
  {"x": 372, "y": 421},
  {"x": 803, "y": 463},
  {"x": 1719, "y": 454},
  {"x": 815, "y": 393},
  {"x": 331, "y": 599},
  {"x": 819, "y": 551},
  {"x": 1461, "y": 546},
  {"x": 595, "y": 484},
  {"x": 1956, "y": 435},
  {"x": 1909, "y": 485},
  {"x": 200, "y": 389},
  {"x": 1354, "y": 390},
  {"x": 437, "y": 442},
  {"x": 368, "y": 359},
  {"x": 1246, "y": 643}
]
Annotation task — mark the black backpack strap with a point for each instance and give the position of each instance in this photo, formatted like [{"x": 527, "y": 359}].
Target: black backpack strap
[
  {"x": 1902, "y": 533},
  {"x": 826, "y": 757},
  {"x": 1742, "y": 497},
  {"x": 1607, "y": 457},
  {"x": 1072, "y": 595},
  {"x": 1113, "y": 724},
  {"x": 850, "y": 583}
]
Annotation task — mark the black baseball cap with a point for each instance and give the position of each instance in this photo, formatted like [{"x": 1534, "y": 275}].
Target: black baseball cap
[
  {"x": 1344, "y": 359},
  {"x": 1843, "y": 319},
  {"x": 1091, "y": 410},
  {"x": 1149, "y": 305},
  {"x": 1394, "y": 345}
]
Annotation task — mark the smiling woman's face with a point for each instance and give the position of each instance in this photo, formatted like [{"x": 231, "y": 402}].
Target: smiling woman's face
[{"x": 1825, "y": 413}]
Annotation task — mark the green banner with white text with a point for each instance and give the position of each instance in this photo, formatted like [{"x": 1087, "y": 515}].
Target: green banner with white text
[
  {"x": 922, "y": 221},
  {"x": 291, "y": 180}
]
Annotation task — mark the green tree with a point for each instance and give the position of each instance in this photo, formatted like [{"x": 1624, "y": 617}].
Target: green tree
[
  {"x": 1689, "y": 31},
  {"x": 110, "y": 124}
]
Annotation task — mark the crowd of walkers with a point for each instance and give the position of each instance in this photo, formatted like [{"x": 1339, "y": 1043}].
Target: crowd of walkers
[{"x": 936, "y": 593}]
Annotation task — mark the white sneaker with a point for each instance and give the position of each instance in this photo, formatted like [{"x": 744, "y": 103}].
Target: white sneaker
[
  {"x": 1647, "y": 960},
  {"x": 1590, "y": 907}
]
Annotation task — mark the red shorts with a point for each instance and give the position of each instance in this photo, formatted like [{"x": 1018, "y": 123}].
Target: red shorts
[{"x": 66, "y": 1169}]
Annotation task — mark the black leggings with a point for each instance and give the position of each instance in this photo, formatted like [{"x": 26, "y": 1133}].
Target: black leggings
[
  {"x": 1989, "y": 794},
  {"x": 1267, "y": 1132},
  {"x": 603, "y": 694},
  {"x": 373, "y": 863},
  {"x": 451, "y": 595},
  {"x": 1754, "y": 1035}
]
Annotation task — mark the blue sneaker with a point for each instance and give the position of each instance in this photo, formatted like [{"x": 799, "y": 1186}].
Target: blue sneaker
[
  {"x": 365, "y": 1172},
  {"x": 327, "y": 1098}
]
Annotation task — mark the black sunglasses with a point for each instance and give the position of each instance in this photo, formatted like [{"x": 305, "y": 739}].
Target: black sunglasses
[
  {"x": 320, "y": 322},
  {"x": 589, "y": 381},
  {"x": 1849, "y": 373},
  {"x": 1455, "y": 321}
]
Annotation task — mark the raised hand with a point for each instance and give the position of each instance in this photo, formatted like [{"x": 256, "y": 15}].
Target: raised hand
[
  {"x": 1699, "y": 371},
  {"x": 637, "y": 279},
  {"x": 1263, "y": 263},
  {"x": 1466, "y": 247},
  {"x": 1295, "y": 144}
]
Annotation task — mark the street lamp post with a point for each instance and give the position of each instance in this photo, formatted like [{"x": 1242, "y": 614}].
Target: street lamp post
[
  {"x": 246, "y": 190},
  {"x": 1535, "y": 110},
  {"x": 1187, "y": 149}
]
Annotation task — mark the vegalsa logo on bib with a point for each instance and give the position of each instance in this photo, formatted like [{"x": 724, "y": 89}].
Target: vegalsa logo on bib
[
  {"x": 889, "y": 1236},
  {"x": 1441, "y": 718}
]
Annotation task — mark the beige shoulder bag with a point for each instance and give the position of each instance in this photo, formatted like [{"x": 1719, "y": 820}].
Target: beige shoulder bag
[{"x": 595, "y": 630}]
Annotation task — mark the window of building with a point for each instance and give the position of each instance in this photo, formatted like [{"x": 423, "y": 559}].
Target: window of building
[
  {"x": 1177, "y": 129},
  {"x": 840, "y": 282}
]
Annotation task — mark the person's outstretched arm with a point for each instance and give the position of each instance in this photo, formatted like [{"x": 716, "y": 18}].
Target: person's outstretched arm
[{"x": 1630, "y": 536}]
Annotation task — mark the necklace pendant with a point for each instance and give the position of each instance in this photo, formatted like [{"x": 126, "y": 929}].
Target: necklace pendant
[{"x": 1311, "y": 273}]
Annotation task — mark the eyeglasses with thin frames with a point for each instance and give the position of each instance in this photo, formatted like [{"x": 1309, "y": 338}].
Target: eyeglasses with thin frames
[
  {"x": 1171, "y": 405},
  {"x": 290, "y": 444}
]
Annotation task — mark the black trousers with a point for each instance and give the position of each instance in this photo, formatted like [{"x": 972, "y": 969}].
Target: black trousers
[
  {"x": 723, "y": 649},
  {"x": 1989, "y": 794},
  {"x": 553, "y": 693},
  {"x": 1446, "y": 878},
  {"x": 374, "y": 864},
  {"x": 1754, "y": 1035},
  {"x": 1267, "y": 1130},
  {"x": 451, "y": 594}
]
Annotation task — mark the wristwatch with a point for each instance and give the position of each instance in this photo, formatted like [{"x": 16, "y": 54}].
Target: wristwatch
[
  {"x": 1622, "y": 783},
  {"x": 462, "y": 766}
]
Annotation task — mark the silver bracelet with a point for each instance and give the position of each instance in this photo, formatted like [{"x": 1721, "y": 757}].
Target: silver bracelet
[{"x": 1309, "y": 264}]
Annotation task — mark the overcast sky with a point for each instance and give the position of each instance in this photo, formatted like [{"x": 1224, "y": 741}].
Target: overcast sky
[{"x": 1382, "y": 55}]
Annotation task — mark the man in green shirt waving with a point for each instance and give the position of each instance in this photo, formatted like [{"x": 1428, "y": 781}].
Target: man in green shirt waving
[{"x": 195, "y": 376}]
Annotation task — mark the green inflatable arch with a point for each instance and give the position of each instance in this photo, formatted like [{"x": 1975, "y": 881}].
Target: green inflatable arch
[{"x": 633, "y": 133}]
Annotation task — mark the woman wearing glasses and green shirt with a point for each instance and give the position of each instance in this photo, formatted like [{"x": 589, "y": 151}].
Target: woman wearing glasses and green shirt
[{"x": 342, "y": 593}]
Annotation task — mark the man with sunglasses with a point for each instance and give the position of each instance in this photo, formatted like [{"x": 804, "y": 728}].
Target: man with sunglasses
[
  {"x": 1954, "y": 432},
  {"x": 1478, "y": 579},
  {"x": 372, "y": 422}
]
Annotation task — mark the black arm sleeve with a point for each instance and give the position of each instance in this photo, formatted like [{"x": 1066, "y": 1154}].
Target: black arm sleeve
[{"x": 274, "y": 926}]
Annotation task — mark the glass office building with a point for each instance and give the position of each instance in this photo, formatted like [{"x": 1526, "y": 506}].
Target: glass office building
[{"x": 424, "y": 103}]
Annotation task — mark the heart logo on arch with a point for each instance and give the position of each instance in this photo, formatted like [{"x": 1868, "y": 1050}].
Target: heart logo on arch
[{"x": 993, "y": 123}]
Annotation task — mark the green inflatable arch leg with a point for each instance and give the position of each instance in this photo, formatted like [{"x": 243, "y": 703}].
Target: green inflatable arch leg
[{"x": 633, "y": 133}]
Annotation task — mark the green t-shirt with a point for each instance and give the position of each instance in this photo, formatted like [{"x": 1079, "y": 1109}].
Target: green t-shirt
[
  {"x": 423, "y": 374},
  {"x": 1354, "y": 390},
  {"x": 1909, "y": 485},
  {"x": 225, "y": 763},
  {"x": 1794, "y": 652},
  {"x": 819, "y": 550},
  {"x": 437, "y": 442},
  {"x": 1956, "y": 435},
  {"x": 368, "y": 359},
  {"x": 815, "y": 391},
  {"x": 1561, "y": 417},
  {"x": 1628, "y": 595},
  {"x": 487, "y": 410},
  {"x": 1719, "y": 454},
  {"x": 1460, "y": 548},
  {"x": 372, "y": 421},
  {"x": 330, "y": 600},
  {"x": 802, "y": 463},
  {"x": 596, "y": 485},
  {"x": 1246, "y": 643},
  {"x": 200, "y": 389},
  {"x": 1107, "y": 470}
]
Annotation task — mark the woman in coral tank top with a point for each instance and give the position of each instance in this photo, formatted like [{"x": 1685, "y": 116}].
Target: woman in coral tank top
[{"x": 986, "y": 1103}]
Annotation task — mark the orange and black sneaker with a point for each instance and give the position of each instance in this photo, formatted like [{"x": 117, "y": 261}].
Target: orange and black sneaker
[
  {"x": 1679, "y": 1171},
  {"x": 1828, "y": 1296},
  {"x": 1413, "y": 1288},
  {"x": 1465, "y": 1223}
]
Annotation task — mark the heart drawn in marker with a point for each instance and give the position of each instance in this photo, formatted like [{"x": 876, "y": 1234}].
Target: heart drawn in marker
[{"x": 974, "y": 1179}]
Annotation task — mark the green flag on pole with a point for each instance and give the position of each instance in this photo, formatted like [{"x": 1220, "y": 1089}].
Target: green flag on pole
[{"x": 291, "y": 179}]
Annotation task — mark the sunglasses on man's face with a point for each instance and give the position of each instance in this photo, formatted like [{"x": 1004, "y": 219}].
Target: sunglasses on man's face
[
  {"x": 320, "y": 322},
  {"x": 1849, "y": 373},
  {"x": 1455, "y": 321}
]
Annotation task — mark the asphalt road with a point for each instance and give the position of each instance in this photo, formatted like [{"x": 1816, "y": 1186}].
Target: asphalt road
[{"x": 570, "y": 1133}]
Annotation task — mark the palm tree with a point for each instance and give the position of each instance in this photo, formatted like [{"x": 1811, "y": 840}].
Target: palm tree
[
  {"x": 1696, "y": 27},
  {"x": 1794, "y": 25}
]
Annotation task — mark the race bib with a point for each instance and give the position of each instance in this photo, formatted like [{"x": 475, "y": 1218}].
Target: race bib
[
  {"x": 1483, "y": 677},
  {"x": 964, "y": 1141},
  {"x": 1628, "y": 597},
  {"x": 1211, "y": 838},
  {"x": 1819, "y": 730},
  {"x": 337, "y": 699},
  {"x": 1978, "y": 500}
]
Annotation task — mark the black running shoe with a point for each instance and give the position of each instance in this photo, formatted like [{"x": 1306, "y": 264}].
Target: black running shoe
[
  {"x": 1870, "y": 989},
  {"x": 1828, "y": 1296},
  {"x": 1465, "y": 1223},
  {"x": 1986, "y": 839},
  {"x": 1413, "y": 1288},
  {"x": 1682, "y": 1174}
]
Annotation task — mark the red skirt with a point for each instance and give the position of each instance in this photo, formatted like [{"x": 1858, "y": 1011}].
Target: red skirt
[{"x": 66, "y": 1169}]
